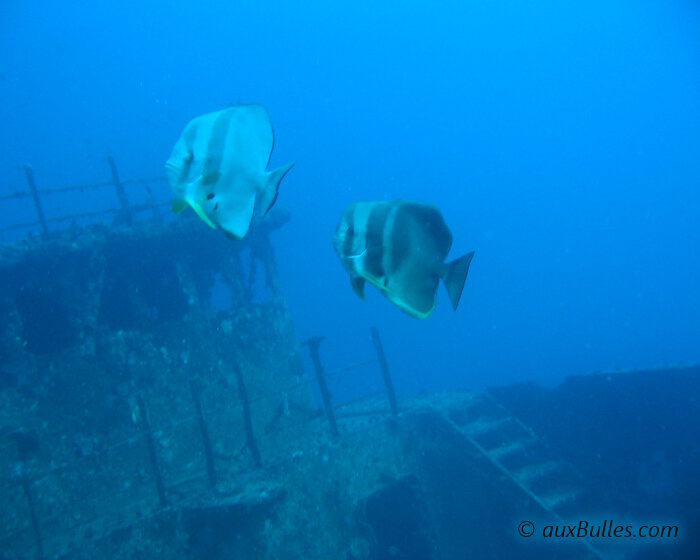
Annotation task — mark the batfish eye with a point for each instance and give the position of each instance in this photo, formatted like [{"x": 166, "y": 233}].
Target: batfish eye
[
  {"x": 210, "y": 195},
  {"x": 189, "y": 156}
]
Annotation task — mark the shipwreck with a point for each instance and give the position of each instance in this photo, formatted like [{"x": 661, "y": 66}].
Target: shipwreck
[{"x": 155, "y": 403}]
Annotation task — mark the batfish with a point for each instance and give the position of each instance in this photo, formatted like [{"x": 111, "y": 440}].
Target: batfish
[
  {"x": 400, "y": 247},
  {"x": 218, "y": 167}
]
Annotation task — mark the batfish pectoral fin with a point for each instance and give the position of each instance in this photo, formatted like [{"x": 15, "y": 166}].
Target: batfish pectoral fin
[
  {"x": 358, "y": 286},
  {"x": 271, "y": 187},
  {"x": 200, "y": 212},
  {"x": 454, "y": 274},
  {"x": 179, "y": 205}
]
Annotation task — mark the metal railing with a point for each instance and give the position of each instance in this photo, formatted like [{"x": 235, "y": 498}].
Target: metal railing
[
  {"x": 131, "y": 475},
  {"x": 55, "y": 505},
  {"x": 126, "y": 212}
]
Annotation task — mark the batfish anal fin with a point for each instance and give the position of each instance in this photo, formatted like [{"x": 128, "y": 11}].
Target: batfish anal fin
[
  {"x": 235, "y": 213},
  {"x": 179, "y": 205},
  {"x": 358, "y": 285},
  {"x": 268, "y": 196},
  {"x": 406, "y": 308},
  {"x": 454, "y": 274}
]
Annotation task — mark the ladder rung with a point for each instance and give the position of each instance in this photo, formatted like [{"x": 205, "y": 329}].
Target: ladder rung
[
  {"x": 507, "y": 449},
  {"x": 530, "y": 473},
  {"x": 483, "y": 426},
  {"x": 560, "y": 498}
]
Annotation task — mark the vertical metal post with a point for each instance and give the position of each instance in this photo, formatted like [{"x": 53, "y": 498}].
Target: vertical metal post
[
  {"x": 27, "y": 443},
  {"x": 247, "y": 419},
  {"x": 29, "y": 173},
  {"x": 208, "y": 451},
  {"x": 121, "y": 193},
  {"x": 146, "y": 428},
  {"x": 32, "y": 513},
  {"x": 313, "y": 343},
  {"x": 385, "y": 370}
]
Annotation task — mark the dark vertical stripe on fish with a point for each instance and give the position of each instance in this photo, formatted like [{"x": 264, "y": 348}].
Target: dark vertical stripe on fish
[
  {"x": 374, "y": 241},
  {"x": 400, "y": 238},
  {"x": 216, "y": 145},
  {"x": 188, "y": 138},
  {"x": 349, "y": 220}
]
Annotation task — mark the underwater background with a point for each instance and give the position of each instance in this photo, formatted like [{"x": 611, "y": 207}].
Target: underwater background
[{"x": 560, "y": 142}]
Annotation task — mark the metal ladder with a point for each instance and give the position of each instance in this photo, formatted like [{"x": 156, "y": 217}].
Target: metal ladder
[{"x": 516, "y": 451}]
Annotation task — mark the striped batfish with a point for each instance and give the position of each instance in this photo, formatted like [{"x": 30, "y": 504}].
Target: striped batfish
[
  {"x": 400, "y": 246},
  {"x": 218, "y": 167}
]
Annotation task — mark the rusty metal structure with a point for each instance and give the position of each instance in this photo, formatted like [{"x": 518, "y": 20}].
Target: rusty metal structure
[
  {"x": 151, "y": 384},
  {"x": 118, "y": 363}
]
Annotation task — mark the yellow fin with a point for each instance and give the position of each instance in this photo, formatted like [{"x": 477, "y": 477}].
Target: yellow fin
[{"x": 200, "y": 212}]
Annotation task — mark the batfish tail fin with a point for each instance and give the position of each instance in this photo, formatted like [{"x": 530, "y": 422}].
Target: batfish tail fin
[
  {"x": 358, "y": 286},
  {"x": 269, "y": 193},
  {"x": 454, "y": 274}
]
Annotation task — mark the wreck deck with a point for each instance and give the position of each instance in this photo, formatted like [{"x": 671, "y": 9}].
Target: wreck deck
[{"x": 154, "y": 403}]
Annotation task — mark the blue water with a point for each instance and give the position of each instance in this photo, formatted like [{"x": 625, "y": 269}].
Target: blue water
[{"x": 560, "y": 140}]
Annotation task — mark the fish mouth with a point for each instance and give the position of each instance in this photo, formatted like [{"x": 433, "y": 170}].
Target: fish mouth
[
  {"x": 340, "y": 237},
  {"x": 172, "y": 172},
  {"x": 338, "y": 242}
]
